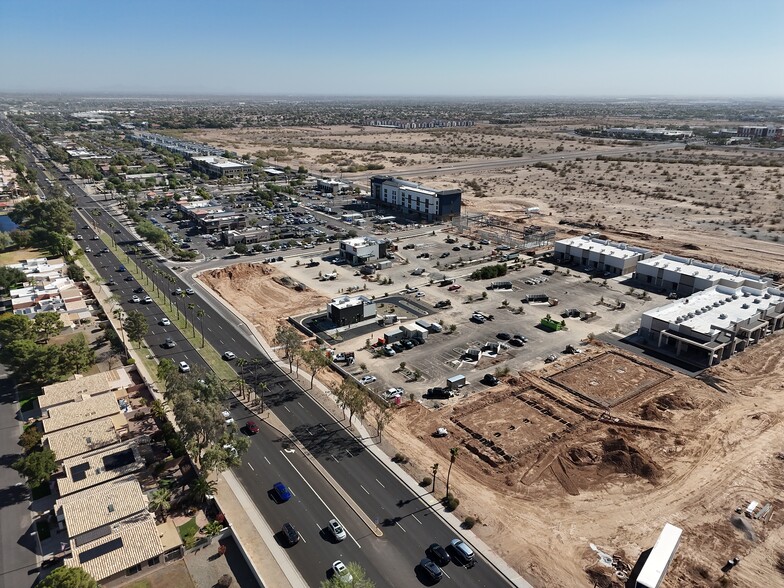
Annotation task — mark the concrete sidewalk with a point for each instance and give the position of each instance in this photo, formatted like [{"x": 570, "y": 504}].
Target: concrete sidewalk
[{"x": 363, "y": 436}]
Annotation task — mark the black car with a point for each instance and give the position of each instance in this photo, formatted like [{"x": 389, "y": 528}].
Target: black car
[
  {"x": 516, "y": 342},
  {"x": 398, "y": 347},
  {"x": 438, "y": 554},
  {"x": 444, "y": 255},
  {"x": 431, "y": 570},
  {"x": 520, "y": 338},
  {"x": 438, "y": 392},
  {"x": 504, "y": 336},
  {"x": 455, "y": 248},
  {"x": 407, "y": 344},
  {"x": 111, "y": 283},
  {"x": 290, "y": 534},
  {"x": 128, "y": 278},
  {"x": 489, "y": 380},
  {"x": 139, "y": 290}
]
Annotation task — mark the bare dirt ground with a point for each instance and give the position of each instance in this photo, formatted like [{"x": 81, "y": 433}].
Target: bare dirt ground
[
  {"x": 548, "y": 474},
  {"x": 263, "y": 295}
]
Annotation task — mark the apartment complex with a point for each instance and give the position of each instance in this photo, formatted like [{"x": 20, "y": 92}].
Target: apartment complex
[
  {"x": 616, "y": 259},
  {"x": 414, "y": 199}
]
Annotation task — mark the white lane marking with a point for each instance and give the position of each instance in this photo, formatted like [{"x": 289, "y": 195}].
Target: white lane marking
[
  {"x": 401, "y": 527},
  {"x": 251, "y": 467},
  {"x": 301, "y": 537},
  {"x": 380, "y": 484},
  {"x": 221, "y": 342},
  {"x": 209, "y": 329},
  {"x": 265, "y": 459},
  {"x": 366, "y": 492},
  {"x": 319, "y": 497},
  {"x": 320, "y": 425},
  {"x": 416, "y": 519},
  {"x": 447, "y": 575},
  {"x": 333, "y": 457},
  {"x": 300, "y": 405},
  {"x": 351, "y": 455},
  {"x": 286, "y": 407}
]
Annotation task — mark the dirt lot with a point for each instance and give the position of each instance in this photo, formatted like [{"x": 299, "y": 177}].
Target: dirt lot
[
  {"x": 547, "y": 472},
  {"x": 263, "y": 295},
  {"x": 683, "y": 202}
]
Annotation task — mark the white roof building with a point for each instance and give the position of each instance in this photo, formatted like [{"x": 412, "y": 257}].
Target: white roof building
[{"x": 600, "y": 255}]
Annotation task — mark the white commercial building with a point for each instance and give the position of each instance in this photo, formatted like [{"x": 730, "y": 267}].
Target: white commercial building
[
  {"x": 416, "y": 199},
  {"x": 363, "y": 250},
  {"x": 594, "y": 254},
  {"x": 711, "y": 325},
  {"x": 220, "y": 167},
  {"x": 685, "y": 276}
]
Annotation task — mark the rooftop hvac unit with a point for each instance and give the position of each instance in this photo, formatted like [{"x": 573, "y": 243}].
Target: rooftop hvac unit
[
  {"x": 728, "y": 299},
  {"x": 722, "y": 316},
  {"x": 691, "y": 315},
  {"x": 756, "y": 301},
  {"x": 698, "y": 311},
  {"x": 744, "y": 305},
  {"x": 679, "y": 320},
  {"x": 766, "y": 296},
  {"x": 734, "y": 296},
  {"x": 746, "y": 294}
]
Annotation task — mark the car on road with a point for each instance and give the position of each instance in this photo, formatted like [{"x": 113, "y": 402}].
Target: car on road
[
  {"x": 177, "y": 292},
  {"x": 88, "y": 249},
  {"x": 365, "y": 380},
  {"x": 489, "y": 380},
  {"x": 227, "y": 418},
  {"x": 229, "y": 355},
  {"x": 111, "y": 283},
  {"x": 128, "y": 278},
  {"x": 431, "y": 570},
  {"x": 139, "y": 290},
  {"x": 121, "y": 269},
  {"x": 135, "y": 298},
  {"x": 190, "y": 291},
  {"x": 165, "y": 322},
  {"x": 340, "y": 571},
  {"x": 105, "y": 250},
  {"x": 419, "y": 295},
  {"x": 282, "y": 493},
  {"x": 184, "y": 367},
  {"x": 147, "y": 300},
  {"x": 337, "y": 530},
  {"x": 438, "y": 554},
  {"x": 117, "y": 232},
  {"x": 94, "y": 238},
  {"x": 464, "y": 552},
  {"x": 169, "y": 343},
  {"x": 454, "y": 287},
  {"x": 290, "y": 534},
  {"x": 251, "y": 427}
]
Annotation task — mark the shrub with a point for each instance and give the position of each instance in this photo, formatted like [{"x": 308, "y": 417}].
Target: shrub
[
  {"x": 400, "y": 458},
  {"x": 469, "y": 522},
  {"x": 426, "y": 481},
  {"x": 451, "y": 502}
]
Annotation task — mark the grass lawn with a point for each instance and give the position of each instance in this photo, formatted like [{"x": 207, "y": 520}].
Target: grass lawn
[
  {"x": 29, "y": 403},
  {"x": 18, "y": 255},
  {"x": 27, "y": 396},
  {"x": 189, "y": 529}
]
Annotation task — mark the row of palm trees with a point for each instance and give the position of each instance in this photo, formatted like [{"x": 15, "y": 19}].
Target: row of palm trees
[{"x": 256, "y": 388}]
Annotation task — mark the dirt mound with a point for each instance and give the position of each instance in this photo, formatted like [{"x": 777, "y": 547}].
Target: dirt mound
[
  {"x": 675, "y": 402},
  {"x": 581, "y": 456},
  {"x": 239, "y": 271},
  {"x": 626, "y": 459}
]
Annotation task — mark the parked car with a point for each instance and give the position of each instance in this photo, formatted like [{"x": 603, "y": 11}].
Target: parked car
[
  {"x": 392, "y": 393},
  {"x": 407, "y": 344},
  {"x": 454, "y": 287},
  {"x": 438, "y": 554},
  {"x": 290, "y": 533},
  {"x": 227, "y": 418},
  {"x": 444, "y": 255},
  {"x": 431, "y": 570},
  {"x": 490, "y": 380},
  {"x": 365, "y": 380},
  {"x": 282, "y": 493},
  {"x": 520, "y": 338},
  {"x": 441, "y": 432},
  {"x": 184, "y": 367},
  {"x": 337, "y": 530},
  {"x": 504, "y": 336},
  {"x": 516, "y": 342},
  {"x": 398, "y": 347},
  {"x": 439, "y": 392}
]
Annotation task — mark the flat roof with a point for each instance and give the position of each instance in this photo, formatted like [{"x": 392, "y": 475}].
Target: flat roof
[
  {"x": 129, "y": 542},
  {"x": 660, "y": 556},
  {"x": 102, "y": 505},
  {"x": 97, "y": 467},
  {"x": 619, "y": 250},
  {"x": 360, "y": 241},
  {"x": 717, "y": 306},
  {"x": 348, "y": 301},
  {"x": 80, "y": 411},
  {"x": 87, "y": 437},
  {"x": 707, "y": 271},
  {"x": 75, "y": 388}
]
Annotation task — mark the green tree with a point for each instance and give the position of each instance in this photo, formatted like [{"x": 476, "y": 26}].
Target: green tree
[
  {"x": 200, "y": 488},
  {"x": 166, "y": 371},
  {"x": 288, "y": 338},
  {"x": 47, "y": 324},
  {"x": 452, "y": 459},
  {"x": 66, "y": 577},
  {"x": 213, "y": 528},
  {"x": 135, "y": 324},
  {"x": 15, "y": 327},
  {"x": 5, "y": 241},
  {"x": 316, "y": 360},
  {"x": 382, "y": 416},
  {"x": 75, "y": 272},
  {"x": 241, "y": 248},
  {"x": 76, "y": 355},
  {"x": 30, "y": 438},
  {"x": 359, "y": 578},
  {"x": 160, "y": 500},
  {"x": 37, "y": 467},
  {"x": 10, "y": 277}
]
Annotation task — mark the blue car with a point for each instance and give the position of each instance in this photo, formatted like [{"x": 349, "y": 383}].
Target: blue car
[{"x": 281, "y": 491}]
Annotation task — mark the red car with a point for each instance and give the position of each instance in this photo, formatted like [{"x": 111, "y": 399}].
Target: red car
[
  {"x": 251, "y": 427},
  {"x": 454, "y": 287}
]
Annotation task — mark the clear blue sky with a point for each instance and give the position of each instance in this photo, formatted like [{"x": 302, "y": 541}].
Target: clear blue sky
[{"x": 399, "y": 47}]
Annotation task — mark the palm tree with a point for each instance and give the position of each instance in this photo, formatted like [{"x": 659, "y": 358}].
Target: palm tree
[
  {"x": 160, "y": 500},
  {"x": 200, "y": 314},
  {"x": 200, "y": 488},
  {"x": 452, "y": 458},
  {"x": 158, "y": 409},
  {"x": 191, "y": 307}
]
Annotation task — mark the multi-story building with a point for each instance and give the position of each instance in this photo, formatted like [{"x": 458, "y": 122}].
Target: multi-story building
[
  {"x": 348, "y": 310},
  {"x": 711, "y": 325},
  {"x": 760, "y": 132},
  {"x": 617, "y": 259},
  {"x": 684, "y": 276},
  {"x": 220, "y": 167},
  {"x": 184, "y": 148},
  {"x": 414, "y": 199},
  {"x": 362, "y": 250},
  {"x": 330, "y": 186}
]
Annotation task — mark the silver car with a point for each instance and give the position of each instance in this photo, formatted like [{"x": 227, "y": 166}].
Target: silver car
[{"x": 337, "y": 530}]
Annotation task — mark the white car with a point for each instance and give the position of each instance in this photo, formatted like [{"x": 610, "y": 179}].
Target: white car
[
  {"x": 190, "y": 291},
  {"x": 340, "y": 571},
  {"x": 135, "y": 298},
  {"x": 147, "y": 300},
  {"x": 419, "y": 295},
  {"x": 165, "y": 322},
  {"x": 184, "y": 367},
  {"x": 365, "y": 380},
  {"x": 88, "y": 249},
  {"x": 337, "y": 530},
  {"x": 393, "y": 393},
  {"x": 229, "y": 355},
  {"x": 227, "y": 418}
]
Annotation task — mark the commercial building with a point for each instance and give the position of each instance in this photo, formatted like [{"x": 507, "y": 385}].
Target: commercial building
[
  {"x": 760, "y": 132},
  {"x": 362, "y": 250},
  {"x": 247, "y": 237},
  {"x": 330, "y": 186},
  {"x": 111, "y": 531},
  {"x": 220, "y": 167},
  {"x": 660, "y": 557},
  {"x": 712, "y": 325},
  {"x": 685, "y": 276},
  {"x": 617, "y": 259},
  {"x": 348, "y": 310},
  {"x": 185, "y": 148},
  {"x": 415, "y": 199}
]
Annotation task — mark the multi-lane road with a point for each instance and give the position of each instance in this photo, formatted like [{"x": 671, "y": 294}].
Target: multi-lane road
[{"x": 408, "y": 525}]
